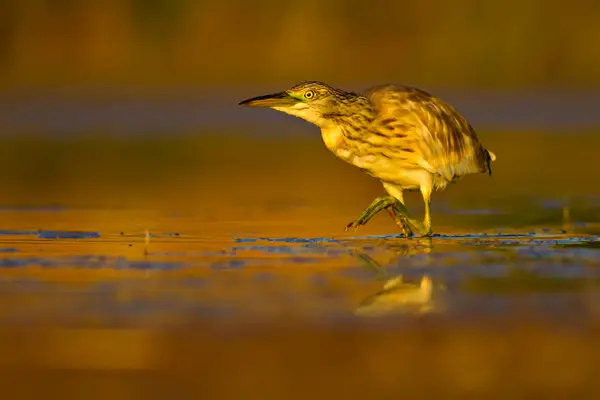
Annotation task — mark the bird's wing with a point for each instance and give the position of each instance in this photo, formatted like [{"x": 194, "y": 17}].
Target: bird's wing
[{"x": 441, "y": 140}]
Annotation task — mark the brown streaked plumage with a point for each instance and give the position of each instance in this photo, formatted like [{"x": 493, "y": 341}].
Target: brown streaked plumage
[{"x": 401, "y": 135}]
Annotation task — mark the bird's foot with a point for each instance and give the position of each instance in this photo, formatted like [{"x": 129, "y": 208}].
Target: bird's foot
[
  {"x": 423, "y": 229},
  {"x": 354, "y": 224},
  {"x": 401, "y": 215},
  {"x": 377, "y": 205},
  {"x": 361, "y": 220},
  {"x": 397, "y": 211},
  {"x": 427, "y": 234}
]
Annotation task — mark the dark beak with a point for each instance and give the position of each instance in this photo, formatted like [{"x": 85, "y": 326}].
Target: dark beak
[{"x": 270, "y": 100}]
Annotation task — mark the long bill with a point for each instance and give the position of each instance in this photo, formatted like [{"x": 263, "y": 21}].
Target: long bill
[{"x": 270, "y": 100}]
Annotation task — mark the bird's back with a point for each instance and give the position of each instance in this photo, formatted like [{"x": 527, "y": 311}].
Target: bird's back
[{"x": 428, "y": 132}]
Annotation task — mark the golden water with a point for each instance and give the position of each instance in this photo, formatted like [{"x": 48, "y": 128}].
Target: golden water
[{"x": 219, "y": 268}]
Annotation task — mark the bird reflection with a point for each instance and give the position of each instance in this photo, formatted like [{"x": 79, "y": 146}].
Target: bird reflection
[{"x": 399, "y": 296}]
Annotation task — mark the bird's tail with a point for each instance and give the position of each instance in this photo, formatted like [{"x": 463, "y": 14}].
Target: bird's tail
[{"x": 489, "y": 157}]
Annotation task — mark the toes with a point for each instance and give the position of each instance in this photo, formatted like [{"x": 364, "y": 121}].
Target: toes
[
  {"x": 407, "y": 232},
  {"x": 424, "y": 232},
  {"x": 354, "y": 224},
  {"x": 404, "y": 229}
]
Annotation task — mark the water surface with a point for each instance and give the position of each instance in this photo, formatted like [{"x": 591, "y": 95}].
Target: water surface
[{"x": 221, "y": 266}]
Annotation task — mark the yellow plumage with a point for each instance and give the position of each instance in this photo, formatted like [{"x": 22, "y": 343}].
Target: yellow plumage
[{"x": 403, "y": 136}]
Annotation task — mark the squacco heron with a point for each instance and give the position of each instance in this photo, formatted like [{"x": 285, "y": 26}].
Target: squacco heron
[{"x": 401, "y": 135}]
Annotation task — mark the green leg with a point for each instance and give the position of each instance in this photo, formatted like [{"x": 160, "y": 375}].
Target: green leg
[
  {"x": 400, "y": 217},
  {"x": 403, "y": 215},
  {"x": 396, "y": 209},
  {"x": 400, "y": 220},
  {"x": 369, "y": 263},
  {"x": 380, "y": 203},
  {"x": 424, "y": 229}
]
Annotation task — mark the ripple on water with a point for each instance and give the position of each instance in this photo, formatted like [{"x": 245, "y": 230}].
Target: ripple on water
[
  {"x": 480, "y": 270},
  {"x": 88, "y": 262},
  {"x": 43, "y": 234},
  {"x": 67, "y": 235}
]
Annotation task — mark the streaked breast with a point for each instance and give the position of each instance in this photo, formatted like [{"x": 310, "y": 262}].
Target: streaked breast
[{"x": 335, "y": 141}]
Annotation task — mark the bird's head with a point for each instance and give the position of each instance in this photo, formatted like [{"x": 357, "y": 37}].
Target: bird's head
[{"x": 312, "y": 101}]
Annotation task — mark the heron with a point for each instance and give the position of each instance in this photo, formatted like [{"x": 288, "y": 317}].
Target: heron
[{"x": 404, "y": 136}]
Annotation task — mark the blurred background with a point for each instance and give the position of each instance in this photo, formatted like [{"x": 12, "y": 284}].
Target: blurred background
[
  {"x": 104, "y": 74},
  {"x": 217, "y": 45},
  {"x": 182, "y": 64},
  {"x": 121, "y": 116}
]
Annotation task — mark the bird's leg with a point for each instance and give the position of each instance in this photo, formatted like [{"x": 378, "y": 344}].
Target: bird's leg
[
  {"x": 369, "y": 263},
  {"x": 404, "y": 218},
  {"x": 427, "y": 221},
  {"x": 398, "y": 217},
  {"x": 400, "y": 220},
  {"x": 377, "y": 205},
  {"x": 395, "y": 208},
  {"x": 425, "y": 228},
  {"x": 399, "y": 212}
]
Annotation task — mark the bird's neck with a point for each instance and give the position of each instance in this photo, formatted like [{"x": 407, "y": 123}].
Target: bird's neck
[
  {"x": 354, "y": 125},
  {"x": 333, "y": 137},
  {"x": 344, "y": 124}
]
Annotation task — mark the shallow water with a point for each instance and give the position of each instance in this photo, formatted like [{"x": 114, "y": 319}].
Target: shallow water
[
  {"x": 227, "y": 271},
  {"x": 172, "y": 276}
]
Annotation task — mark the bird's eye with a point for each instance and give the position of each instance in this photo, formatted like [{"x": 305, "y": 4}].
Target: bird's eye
[{"x": 309, "y": 95}]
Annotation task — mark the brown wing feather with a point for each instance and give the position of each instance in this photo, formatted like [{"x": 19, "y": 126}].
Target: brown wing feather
[{"x": 446, "y": 143}]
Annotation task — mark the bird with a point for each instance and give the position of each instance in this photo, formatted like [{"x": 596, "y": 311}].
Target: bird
[{"x": 407, "y": 138}]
